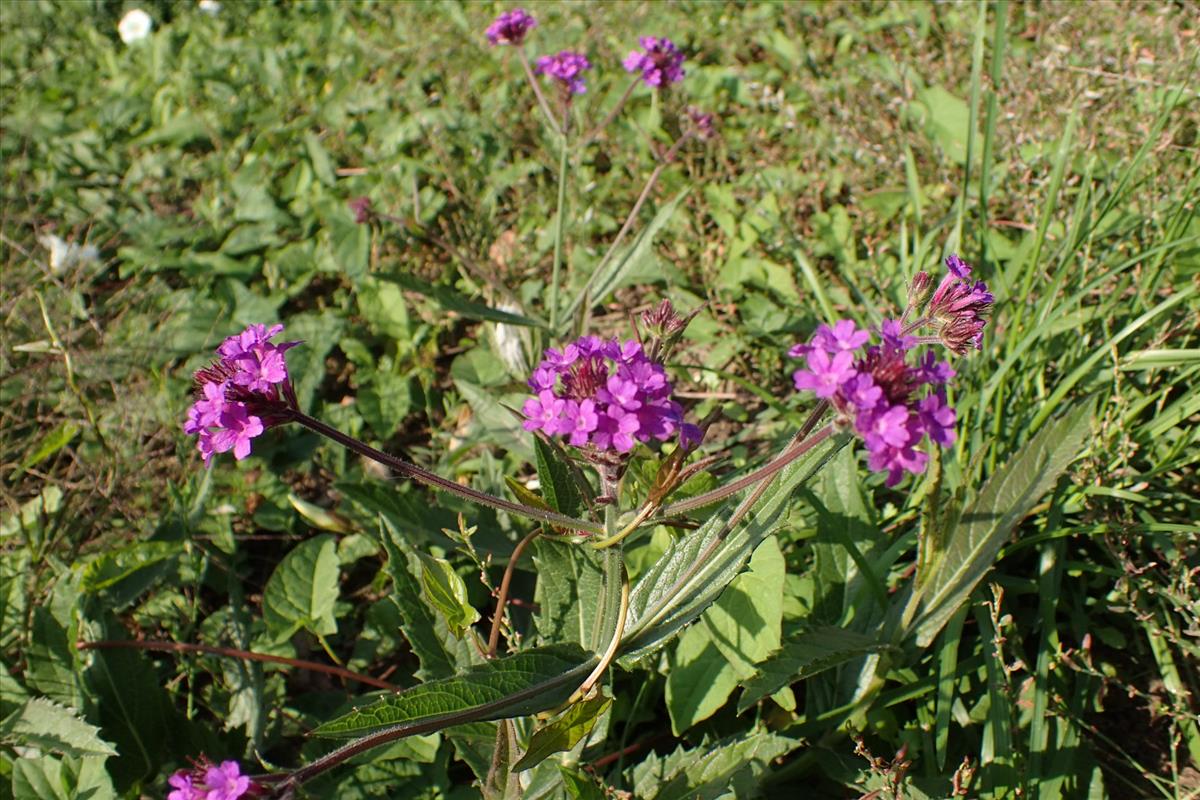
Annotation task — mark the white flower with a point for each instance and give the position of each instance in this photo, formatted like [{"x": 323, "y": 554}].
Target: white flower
[
  {"x": 210, "y": 7},
  {"x": 65, "y": 255},
  {"x": 134, "y": 26}
]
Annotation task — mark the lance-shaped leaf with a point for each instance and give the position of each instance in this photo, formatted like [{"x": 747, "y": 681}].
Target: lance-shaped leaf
[
  {"x": 804, "y": 655},
  {"x": 526, "y": 683},
  {"x": 564, "y": 732},
  {"x": 46, "y": 725},
  {"x": 452, "y": 300},
  {"x": 558, "y": 484},
  {"x": 1006, "y": 498},
  {"x": 690, "y": 576},
  {"x": 730, "y": 767}
]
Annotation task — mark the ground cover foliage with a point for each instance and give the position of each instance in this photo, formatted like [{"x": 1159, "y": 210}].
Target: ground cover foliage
[{"x": 1052, "y": 649}]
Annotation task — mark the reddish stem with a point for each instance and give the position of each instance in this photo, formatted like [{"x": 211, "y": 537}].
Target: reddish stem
[
  {"x": 231, "y": 652},
  {"x": 502, "y": 597}
]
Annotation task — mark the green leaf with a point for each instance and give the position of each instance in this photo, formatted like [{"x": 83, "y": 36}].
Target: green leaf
[
  {"x": 735, "y": 765},
  {"x": 52, "y": 442},
  {"x": 438, "y": 650},
  {"x": 320, "y": 518},
  {"x": 947, "y": 121},
  {"x": 451, "y": 299},
  {"x": 302, "y": 591},
  {"x": 570, "y": 579},
  {"x": 446, "y": 591},
  {"x": 734, "y": 634},
  {"x": 804, "y": 655},
  {"x": 46, "y": 725},
  {"x": 564, "y": 732},
  {"x": 699, "y": 681},
  {"x": 114, "y": 566},
  {"x": 526, "y": 683},
  {"x": 558, "y": 484},
  {"x": 52, "y": 661},
  {"x": 48, "y": 778},
  {"x": 1006, "y": 498},
  {"x": 322, "y": 166},
  {"x": 678, "y": 587}
]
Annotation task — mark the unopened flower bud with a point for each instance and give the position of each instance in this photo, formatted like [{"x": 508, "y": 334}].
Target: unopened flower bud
[
  {"x": 919, "y": 289},
  {"x": 361, "y": 206}
]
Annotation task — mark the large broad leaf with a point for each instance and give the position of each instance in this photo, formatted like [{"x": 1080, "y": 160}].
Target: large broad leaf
[
  {"x": 985, "y": 524},
  {"x": 302, "y": 591},
  {"x": 685, "y": 581},
  {"x": 570, "y": 578},
  {"x": 558, "y": 484},
  {"x": 525, "y": 683},
  {"x": 732, "y": 765},
  {"x": 803, "y": 656},
  {"x": 739, "y": 630},
  {"x": 52, "y": 728}
]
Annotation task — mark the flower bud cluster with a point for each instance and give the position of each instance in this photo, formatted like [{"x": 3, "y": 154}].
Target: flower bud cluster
[
  {"x": 606, "y": 395},
  {"x": 958, "y": 308},
  {"x": 511, "y": 27},
  {"x": 241, "y": 395},
  {"x": 566, "y": 68}
]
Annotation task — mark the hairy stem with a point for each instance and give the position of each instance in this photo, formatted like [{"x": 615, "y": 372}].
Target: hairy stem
[
  {"x": 232, "y": 652},
  {"x": 434, "y": 481},
  {"x": 794, "y": 450}
]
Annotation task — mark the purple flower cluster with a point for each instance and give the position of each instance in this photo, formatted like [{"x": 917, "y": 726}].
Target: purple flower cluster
[
  {"x": 209, "y": 782},
  {"x": 240, "y": 395},
  {"x": 607, "y": 395},
  {"x": 659, "y": 61},
  {"x": 958, "y": 307},
  {"x": 510, "y": 27},
  {"x": 892, "y": 403},
  {"x": 566, "y": 68}
]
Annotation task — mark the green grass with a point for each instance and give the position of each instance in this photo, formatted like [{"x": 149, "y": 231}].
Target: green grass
[{"x": 1054, "y": 147}]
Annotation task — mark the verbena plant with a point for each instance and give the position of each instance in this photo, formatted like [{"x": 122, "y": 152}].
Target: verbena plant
[{"x": 596, "y": 405}]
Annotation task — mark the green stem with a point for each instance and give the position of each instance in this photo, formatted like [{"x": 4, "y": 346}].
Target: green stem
[
  {"x": 558, "y": 234},
  {"x": 537, "y": 91},
  {"x": 434, "y": 481}
]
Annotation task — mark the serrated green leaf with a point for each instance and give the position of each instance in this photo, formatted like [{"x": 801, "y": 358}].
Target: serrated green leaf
[
  {"x": 1005, "y": 499},
  {"x": 303, "y": 589},
  {"x": 735, "y": 764},
  {"x": 677, "y": 589},
  {"x": 558, "y": 484},
  {"x": 744, "y": 623},
  {"x": 563, "y": 732},
  {"x": 525, "y": 683},
  {"x": 53, "y": 728},
  {"x": 804, "y": 655},
  {"x": 52, "y": 661},
  {"x": 445, "y": 590},
  {"x": 580, "y": 785},
  {"x": 699, "y": 680}
]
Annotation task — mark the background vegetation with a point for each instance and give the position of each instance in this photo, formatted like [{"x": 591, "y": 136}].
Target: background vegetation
[{"x": 1054, "y": 145}]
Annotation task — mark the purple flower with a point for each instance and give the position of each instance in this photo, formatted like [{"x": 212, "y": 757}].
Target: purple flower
[
  {"x": 891, "y": 402},
  {"x": 209, "y": 781},
  {"x": 937, "y": 418},
  {"x": 701, "y": 123},
  {"x": 565, "y": 68},
  {"x": 510, "y": 27},
  {"x": 183, "y": 789},
  {"x": 659, "y": 61},
  {"x": 603, "y": 395},
  {"x": 239, "y": 396},
  {"x": 825, "y": 375},
  {"x": 226, "y": 782}
]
